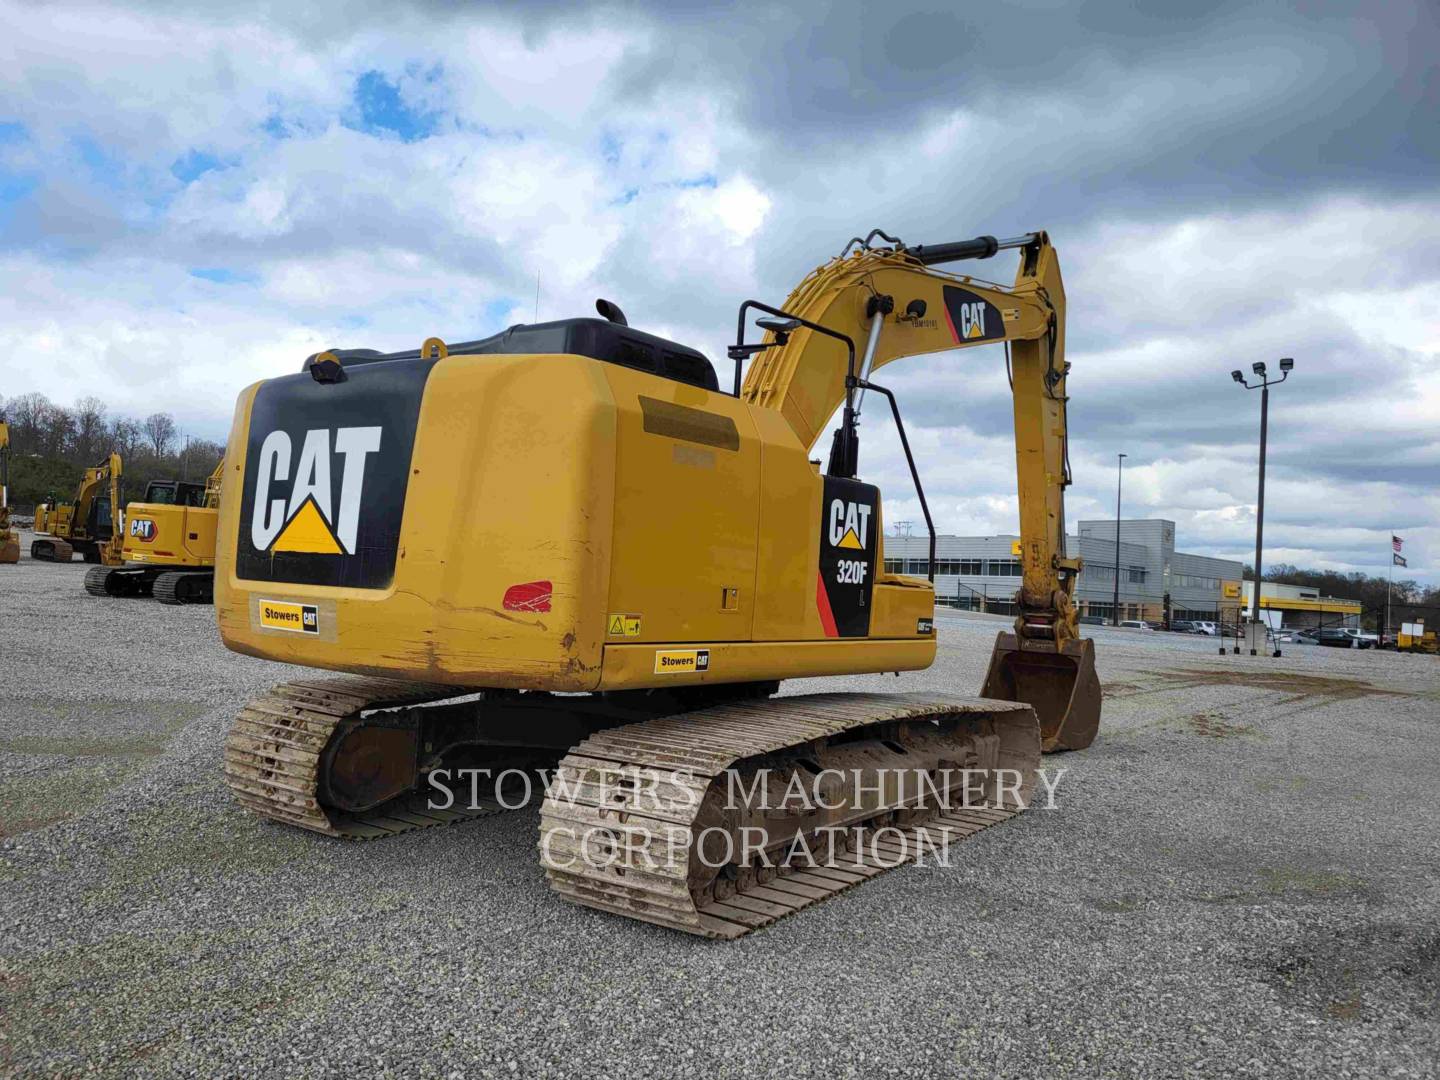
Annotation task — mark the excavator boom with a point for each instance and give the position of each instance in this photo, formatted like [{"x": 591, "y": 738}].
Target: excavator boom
[
  {"x": 9, "y": 541},
  {"x": 894, "y": 300}
]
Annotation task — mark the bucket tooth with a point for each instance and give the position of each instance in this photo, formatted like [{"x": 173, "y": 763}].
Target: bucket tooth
[{"x": 1060, "y": 684}]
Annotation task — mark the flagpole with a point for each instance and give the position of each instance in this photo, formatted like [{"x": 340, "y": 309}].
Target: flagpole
[{"x": 1388, "y": 586}]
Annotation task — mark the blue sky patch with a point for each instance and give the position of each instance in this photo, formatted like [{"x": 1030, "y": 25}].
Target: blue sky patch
[
  {"x": 380, "y": 108},
  {"x": 497, "y": 314},
  {"x": 193, "y": 165},
  {"x": 223, "y": 276}
]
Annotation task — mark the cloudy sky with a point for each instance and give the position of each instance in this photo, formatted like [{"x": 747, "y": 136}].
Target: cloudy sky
[{"x": 191, "y": 199}]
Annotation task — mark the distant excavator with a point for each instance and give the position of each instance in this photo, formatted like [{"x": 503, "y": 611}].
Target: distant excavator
[
  {"x": 169, "y": 544},
  {"x": 569, "y": 536},
  {"x": 9, "y": 539},
  {"x": 90, "y": 525}
]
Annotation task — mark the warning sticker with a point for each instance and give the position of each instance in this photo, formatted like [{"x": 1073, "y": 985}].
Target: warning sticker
[
  {"x": 622, "y": 626},
  {"x": 293, "y": 618},
  {"x": 679, "y": 661}
]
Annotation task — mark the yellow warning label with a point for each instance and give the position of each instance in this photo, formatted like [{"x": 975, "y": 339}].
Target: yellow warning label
[
  {"x": 850, "y": 540},
  {"x": 1014, "y": 547},
  {"x": 623, "y": 626},
  {"x": 680, "y": 661},
  {"x": 283, "y": 615},
  {"x": 308, "y": 532}
]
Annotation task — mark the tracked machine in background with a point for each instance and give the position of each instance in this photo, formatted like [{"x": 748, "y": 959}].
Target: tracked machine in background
[
  {"x": 169, "y": 546},
  {"x": 90, "y": 525},
  {"x": 567, "y": 539},
  {"x": 9, "y": 539}
]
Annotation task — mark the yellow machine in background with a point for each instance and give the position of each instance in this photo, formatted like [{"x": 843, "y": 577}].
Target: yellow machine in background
[
  {"x": 90, "y": 525},
  {"x": 1413, "y": 637},
  {"x": 169, "y": 548},
  {"x": 575, "y": 520},
  {"x": 9, "y": 540}
]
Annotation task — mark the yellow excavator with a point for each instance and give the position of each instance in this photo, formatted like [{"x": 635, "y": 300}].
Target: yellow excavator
[
  {"x": 569, "y": 539},
  {"x": 9, "y": 539},
  {"x": 90, "y": 525},
  {"x": 169, "y": 546}
]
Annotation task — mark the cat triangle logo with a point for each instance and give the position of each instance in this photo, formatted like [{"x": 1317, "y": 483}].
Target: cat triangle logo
[
  {"x": 976, "y": 330},
  {"x": 850, "y": 540},
  {"x": 308, "y": 531}
]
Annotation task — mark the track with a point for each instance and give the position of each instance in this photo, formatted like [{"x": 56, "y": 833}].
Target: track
[
  {"x": 184, "y": 587},
  {"x": 632, "y": 821},
  {"x": 274, "y": 751},
  {"x": 51, "y": 550}
]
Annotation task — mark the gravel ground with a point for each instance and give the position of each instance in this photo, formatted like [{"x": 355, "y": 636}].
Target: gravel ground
[{"x": 1241, "y": 876}]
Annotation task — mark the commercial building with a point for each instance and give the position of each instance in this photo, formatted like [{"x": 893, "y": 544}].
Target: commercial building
[
  {"x": 983, "y": 572},
  {"x": 1300, "y": 607}
]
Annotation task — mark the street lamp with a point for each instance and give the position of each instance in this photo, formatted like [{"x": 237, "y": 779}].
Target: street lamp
[
  {"x": 1119, "y": 475},
  {"x": 1286, "y": 366}
]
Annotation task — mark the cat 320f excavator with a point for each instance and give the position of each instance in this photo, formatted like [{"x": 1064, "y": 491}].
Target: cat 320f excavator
[{"x": 569, "y": 536}]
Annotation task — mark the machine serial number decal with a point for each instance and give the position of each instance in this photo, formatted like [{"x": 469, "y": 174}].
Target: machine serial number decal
[
  {"x": 680, "y": 661},
  {"x": 294, "y": 618}
]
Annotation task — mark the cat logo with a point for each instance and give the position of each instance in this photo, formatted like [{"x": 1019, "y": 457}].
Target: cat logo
[
  {"x": 971, "y": 323},
  {"x": 142, "y": 529},
  {"x": 849, "y": 524},
  {"x": 311, "y": 519}
]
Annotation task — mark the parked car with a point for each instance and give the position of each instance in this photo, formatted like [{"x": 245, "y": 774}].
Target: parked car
[
  {"x": 1201, "y": 626},
  {"x": 1182, "y": 626},
  {"x": 1296, "y": 637},
  {"x": 1137, "y": 624},
  {"x": 1092, "y": 620},
  {"x": 1343, "y": 637}
]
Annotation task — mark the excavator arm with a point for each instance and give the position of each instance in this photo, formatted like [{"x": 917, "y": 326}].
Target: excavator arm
[
  {"x": 874, "y": 305},
  {"x": 9, "y": 541}
]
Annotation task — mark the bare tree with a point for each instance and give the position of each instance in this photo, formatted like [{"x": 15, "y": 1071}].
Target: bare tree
[
  {"x": 90, "y": 429},
  {"x": 159, "y": 428},
  {"x": 28, "y": 414},
  {"x": 125, "y": 436},
  {"x": 57, "y": 430}
]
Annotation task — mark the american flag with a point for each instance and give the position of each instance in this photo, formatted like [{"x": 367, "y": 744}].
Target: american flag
[{"x": 1396, "y": 543}]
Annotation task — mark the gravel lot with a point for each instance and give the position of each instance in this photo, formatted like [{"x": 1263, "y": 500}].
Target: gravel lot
[{"x": 1243, "y": 875}]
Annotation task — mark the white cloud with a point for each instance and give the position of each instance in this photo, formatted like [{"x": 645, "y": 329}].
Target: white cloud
[{"x": 549, "y": 159}]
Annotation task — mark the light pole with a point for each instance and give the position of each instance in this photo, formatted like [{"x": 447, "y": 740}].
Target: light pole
[
  {"x": 1286, "y": 366},
  {"x": 1119, "y": 475}
]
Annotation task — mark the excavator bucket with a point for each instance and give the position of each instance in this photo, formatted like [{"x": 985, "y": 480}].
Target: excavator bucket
[{"x": 1060, "y": 684}]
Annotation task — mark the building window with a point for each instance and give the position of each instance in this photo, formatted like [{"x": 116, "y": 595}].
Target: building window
[
  {"x": 1136, "y": 574},
  {"x": 1002, "y": 568},
  {"x": 1197, "y": 581}
]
